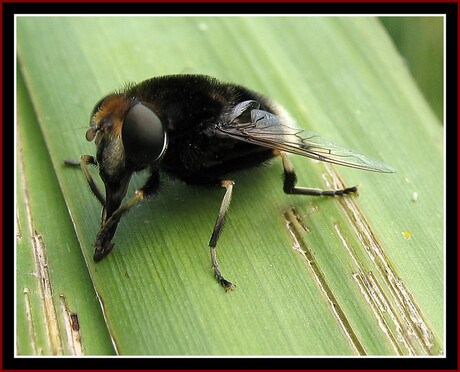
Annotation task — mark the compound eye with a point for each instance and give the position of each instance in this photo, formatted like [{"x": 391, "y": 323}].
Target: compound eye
[{"x": 143, "y": 135}]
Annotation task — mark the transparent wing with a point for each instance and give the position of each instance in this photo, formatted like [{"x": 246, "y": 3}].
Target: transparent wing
[{"x": 249, "y": 124}]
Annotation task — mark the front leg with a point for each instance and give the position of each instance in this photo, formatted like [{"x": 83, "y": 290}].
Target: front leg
[
  {"x": 104, "y": 237},
  {"x": 88, "y": 159},
  {"x": 114, "y": 212},
  {"x": 115, "y": 192}
]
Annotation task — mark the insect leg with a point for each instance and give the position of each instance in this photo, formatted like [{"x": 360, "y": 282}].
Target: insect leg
[
  {"x": 96, "y": 191},
  {"x": 103, "y": 240},
  {"x": 216, "y": 233},
  {"x": 290, "y": 180},
  {"x": 84, "y": 160}
]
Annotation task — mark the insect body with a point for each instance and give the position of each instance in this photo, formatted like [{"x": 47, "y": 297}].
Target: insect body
[{"x": 199, "y": 130}]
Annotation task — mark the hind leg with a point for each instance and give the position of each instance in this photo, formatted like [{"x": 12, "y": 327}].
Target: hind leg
[{"x": 290, "y": 180}]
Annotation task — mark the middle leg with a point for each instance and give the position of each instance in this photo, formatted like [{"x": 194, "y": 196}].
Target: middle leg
[{"x": 216, "y": 233}]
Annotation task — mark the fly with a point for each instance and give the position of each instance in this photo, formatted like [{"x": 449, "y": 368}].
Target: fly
[{"x": 199, "y": 130}]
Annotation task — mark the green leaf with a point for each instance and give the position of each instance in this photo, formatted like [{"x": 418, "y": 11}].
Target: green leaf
[
  {"x": 314, "y": 276},
  {"x": 57, "y": 309}
]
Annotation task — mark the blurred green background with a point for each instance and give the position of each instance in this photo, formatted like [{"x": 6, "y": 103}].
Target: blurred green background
[{"x": 420, "y": 41}]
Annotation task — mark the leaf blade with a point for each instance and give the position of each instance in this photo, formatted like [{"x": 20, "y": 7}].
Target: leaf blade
[{"x": 374, "y": 87}]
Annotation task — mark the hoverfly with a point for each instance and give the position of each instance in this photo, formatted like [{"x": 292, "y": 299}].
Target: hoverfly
[{"x": 199, "y": 130}]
